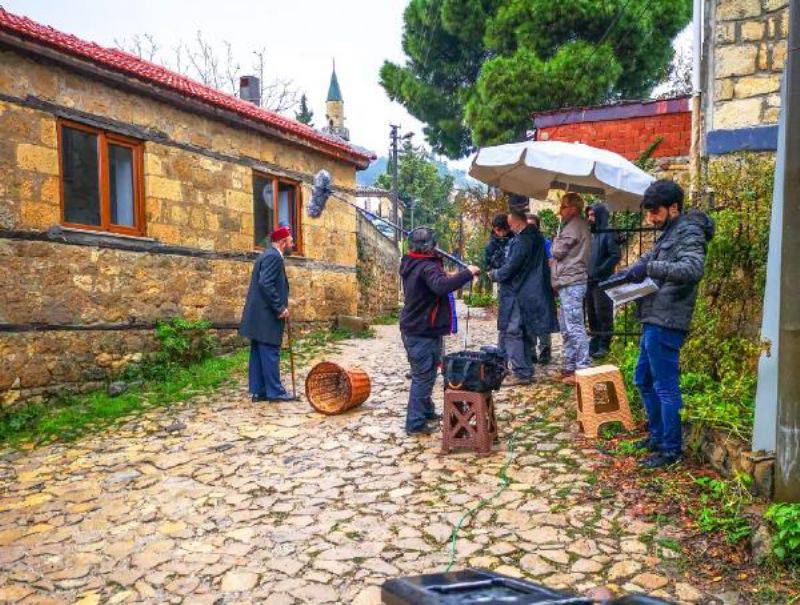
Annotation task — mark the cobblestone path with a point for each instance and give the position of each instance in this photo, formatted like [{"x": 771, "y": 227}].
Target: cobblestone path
[{"x": 226, "y": 501}]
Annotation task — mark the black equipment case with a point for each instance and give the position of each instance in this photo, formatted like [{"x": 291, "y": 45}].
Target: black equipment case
[{"x": 477, "y": 371}]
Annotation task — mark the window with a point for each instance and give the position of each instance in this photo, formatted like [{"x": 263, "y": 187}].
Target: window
[
  {"x": 276, "y": 202},
  {"x": 101, "y": 180}
]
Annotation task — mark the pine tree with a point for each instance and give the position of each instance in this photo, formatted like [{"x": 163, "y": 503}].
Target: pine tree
[
  {"x": 475, "y": 70},
  {"x": 305, "y": 115}
]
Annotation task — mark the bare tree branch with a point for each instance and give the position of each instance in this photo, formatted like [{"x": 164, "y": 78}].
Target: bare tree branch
[{"x": 216, "y": 67}]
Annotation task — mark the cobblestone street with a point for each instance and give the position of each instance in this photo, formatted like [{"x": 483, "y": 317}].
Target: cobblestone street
[{"x": 222, "y": 500}]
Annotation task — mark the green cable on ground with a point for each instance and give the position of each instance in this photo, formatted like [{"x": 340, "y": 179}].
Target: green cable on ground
[{"x": 505, "y": 481}]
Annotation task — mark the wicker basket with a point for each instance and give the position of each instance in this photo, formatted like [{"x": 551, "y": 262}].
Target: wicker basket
[{"x": 332, "y": 389}]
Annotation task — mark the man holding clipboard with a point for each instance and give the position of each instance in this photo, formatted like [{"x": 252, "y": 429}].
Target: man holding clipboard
[{"x": 675, "y": 265}]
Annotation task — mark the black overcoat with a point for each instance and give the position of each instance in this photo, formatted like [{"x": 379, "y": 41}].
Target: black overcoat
[
  {"x": 267, "y": 298},
  {"x": 525, "y": 277}
]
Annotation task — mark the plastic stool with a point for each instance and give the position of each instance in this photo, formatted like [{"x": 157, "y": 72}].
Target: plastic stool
[
  {"x": 591, "y": 414},
  {"x": 468, "y": 421}
]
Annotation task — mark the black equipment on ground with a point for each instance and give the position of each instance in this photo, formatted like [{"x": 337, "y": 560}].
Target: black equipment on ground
[
  {"x": 473, "y": 586},
  {"x": 477, "y": 371}
]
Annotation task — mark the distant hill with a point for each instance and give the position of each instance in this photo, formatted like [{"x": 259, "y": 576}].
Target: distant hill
[{"x": 378, "y": 167}]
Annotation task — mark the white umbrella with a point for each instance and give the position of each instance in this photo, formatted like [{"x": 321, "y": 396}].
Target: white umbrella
[{"x": 534, "y": 167}]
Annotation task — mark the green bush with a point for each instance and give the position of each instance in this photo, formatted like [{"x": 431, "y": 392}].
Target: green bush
[
  {"x": 480, "y": 299},
  {"x": 785, "y": 519},
  {"x": 185, "y": 341},
  {"x": 722, "y": 505}
]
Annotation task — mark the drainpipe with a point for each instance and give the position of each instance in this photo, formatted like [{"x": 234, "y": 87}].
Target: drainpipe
[{"x": 697, "y": 119}]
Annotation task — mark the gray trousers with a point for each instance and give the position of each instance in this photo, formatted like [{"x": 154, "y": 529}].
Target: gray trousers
[
  {"x": 570, "y": 319},
  {"x": 519, "y": 344}
]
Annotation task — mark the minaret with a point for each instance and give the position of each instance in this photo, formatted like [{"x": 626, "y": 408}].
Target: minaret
[{"x": 334, "y": 109}]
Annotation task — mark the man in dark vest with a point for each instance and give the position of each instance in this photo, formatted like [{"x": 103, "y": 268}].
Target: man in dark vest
[
  {"x": 265, "y": 312},
  {"x": 426, "y": 317}
]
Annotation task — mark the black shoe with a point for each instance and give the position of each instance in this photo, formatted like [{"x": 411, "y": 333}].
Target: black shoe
[
  {"x": 425, "y": 430},
  {"x": 286, "y": 397},
  {"x": 600, "y": 353},
  {"x": 435, "y": 418},
  {"x": 544, "y": 359},
  {"x": 661, "y": 459},
  {"x": 257, "y": 398},
  {"x": 646, "y": 444}
]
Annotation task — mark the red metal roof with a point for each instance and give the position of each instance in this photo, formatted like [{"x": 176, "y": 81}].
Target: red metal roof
[{"x": 131, "y": 65}]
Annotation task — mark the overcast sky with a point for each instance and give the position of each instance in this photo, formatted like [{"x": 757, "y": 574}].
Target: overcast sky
[{"x": 301, "y": 37}]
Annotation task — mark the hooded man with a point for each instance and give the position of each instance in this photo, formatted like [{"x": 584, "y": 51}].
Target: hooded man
[
  {"x": 494, "y": 255},
  {"x": 603, "y": 259},
  {"x": 675, "y": 264},
  {"x": 526, "y": 307},
  {"x": 265, "y": 312},
  {"x": 426, "y": 317}
]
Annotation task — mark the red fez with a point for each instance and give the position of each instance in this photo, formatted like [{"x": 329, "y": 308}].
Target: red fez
[{"x": 280, "y": 233}]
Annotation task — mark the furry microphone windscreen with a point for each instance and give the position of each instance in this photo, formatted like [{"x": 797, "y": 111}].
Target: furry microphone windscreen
[{"x": 320, "y": 192}]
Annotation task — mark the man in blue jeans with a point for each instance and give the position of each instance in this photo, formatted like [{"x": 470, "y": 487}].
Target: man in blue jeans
[
  {"x": 427, "y": 316},
  {"x": 675, "y": 264}
]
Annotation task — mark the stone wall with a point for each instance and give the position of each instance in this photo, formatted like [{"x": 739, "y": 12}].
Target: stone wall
[
  {"x": 747, "y": 56},
  {"x": 198, "y": 179},
  {"x": 376, "y": 271}
]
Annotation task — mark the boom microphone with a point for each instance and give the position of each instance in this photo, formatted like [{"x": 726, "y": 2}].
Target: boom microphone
[{"x": 320, "y": 192}]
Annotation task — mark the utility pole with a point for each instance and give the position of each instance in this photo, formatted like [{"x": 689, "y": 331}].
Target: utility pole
[
  {"x": 395, "y": 186},
  {"x": 787, "y": 445},
  {"x": 696, "y": 103}
]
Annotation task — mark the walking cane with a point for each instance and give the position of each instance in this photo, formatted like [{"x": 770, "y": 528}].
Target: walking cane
[{"x": 291, "y": 355}]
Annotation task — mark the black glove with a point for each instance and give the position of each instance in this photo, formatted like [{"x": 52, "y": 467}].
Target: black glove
[{"x": 637, "y": 273}]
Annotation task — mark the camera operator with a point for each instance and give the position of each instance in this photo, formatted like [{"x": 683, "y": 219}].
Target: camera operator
[{"x": 426, "y": 317}]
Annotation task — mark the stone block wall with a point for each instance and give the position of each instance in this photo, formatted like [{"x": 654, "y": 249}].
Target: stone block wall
[
  {"x": 376, "y": 272},
  {"x": 198, "y": 177},
  {"x": 748, "y": 52}
]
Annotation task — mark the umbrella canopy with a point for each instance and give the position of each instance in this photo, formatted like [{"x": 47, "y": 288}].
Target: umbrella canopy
[{"x": 533, "y": 168}]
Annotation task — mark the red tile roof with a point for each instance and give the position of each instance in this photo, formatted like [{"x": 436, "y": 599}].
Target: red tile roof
[{"x": 130, "y": 65}]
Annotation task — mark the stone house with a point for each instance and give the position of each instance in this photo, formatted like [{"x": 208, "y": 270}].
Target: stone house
[
  {"x": 743, "y": 58},
  {"x": 131, "y": 194}
]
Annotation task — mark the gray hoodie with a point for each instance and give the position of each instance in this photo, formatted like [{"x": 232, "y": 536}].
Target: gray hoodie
[{"x": 571, "y": 249}]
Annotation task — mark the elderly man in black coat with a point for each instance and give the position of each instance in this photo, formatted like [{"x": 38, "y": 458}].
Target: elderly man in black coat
[
  {"x": 527, "y": 307},
  {"x": 265, "y": 311}
]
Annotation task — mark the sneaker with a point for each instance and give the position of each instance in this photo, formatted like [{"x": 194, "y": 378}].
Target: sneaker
[
  {"x": 435, "y": 418},
  {"x": 544, "y": 359},
  {"x": 661, "y": 459},
  {"x": 258, "y": 398},
  {"x": 425, "y": 430},
  {"x": 515, "y": 381}
]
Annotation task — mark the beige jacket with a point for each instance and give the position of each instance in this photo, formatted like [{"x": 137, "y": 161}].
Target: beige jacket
[{"x": 571, "y": 249}]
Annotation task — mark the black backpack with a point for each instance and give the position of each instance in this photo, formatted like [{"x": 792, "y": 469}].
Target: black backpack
[{"x": 477, "y": 371}]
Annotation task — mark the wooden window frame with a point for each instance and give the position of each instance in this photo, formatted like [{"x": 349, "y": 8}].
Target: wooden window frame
[
  {"x": 297, "y": 232},
  {"x": 104, "y": 139}
]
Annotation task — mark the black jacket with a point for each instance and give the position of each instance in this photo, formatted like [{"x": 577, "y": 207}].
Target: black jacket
[
  {"x": 267, "y": 298},
  {"x": 525, "y": 278},
  {"x": 605, "y": 252},
  {"x": 426, "y": 310},
  {"x": 676, "y": 264},
  {"x": 494, "y": 255}
]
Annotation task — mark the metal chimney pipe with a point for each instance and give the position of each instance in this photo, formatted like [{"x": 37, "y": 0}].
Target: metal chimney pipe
[{"x": 250, "y": 89}]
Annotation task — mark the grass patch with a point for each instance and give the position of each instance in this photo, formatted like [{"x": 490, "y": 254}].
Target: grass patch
[
  {"x": 386, "y": 320},
  {"x": 71, "y": 416}
]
